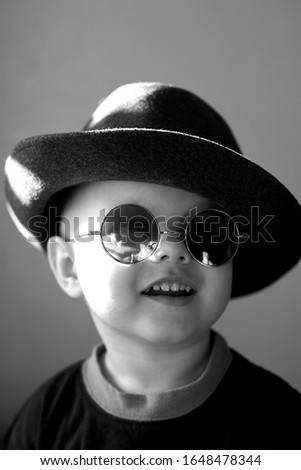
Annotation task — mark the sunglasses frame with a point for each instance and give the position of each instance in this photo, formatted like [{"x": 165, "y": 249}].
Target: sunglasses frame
[{"x": 161, "y": 232}]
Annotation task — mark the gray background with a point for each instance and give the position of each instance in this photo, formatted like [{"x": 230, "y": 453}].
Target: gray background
[{"x": 58, "y": 58}]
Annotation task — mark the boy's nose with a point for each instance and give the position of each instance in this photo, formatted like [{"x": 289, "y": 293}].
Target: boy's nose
[{"x": 171, "y": 249}]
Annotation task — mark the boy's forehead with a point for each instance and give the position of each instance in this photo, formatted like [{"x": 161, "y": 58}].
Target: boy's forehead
[{"x": 88, "y": 199}]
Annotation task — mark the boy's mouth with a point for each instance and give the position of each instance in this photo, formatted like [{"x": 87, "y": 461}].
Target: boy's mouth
[{"x": 168, "y": 288}]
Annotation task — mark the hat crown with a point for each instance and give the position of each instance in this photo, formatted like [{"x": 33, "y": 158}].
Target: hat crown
[{"x": 155, "y": 105}]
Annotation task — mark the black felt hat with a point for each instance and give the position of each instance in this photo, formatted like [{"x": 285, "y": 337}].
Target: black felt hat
[{"x": 157, "y": 133}]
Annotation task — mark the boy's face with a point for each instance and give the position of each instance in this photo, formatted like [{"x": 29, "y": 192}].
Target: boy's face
[{"x": 115, "y": 293}]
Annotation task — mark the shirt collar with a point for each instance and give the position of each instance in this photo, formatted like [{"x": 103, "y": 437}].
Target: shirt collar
[{"x": 156, "y": 406}]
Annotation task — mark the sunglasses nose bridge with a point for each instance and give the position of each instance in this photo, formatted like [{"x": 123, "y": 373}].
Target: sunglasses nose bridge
[{"x": 172, "y": 236}]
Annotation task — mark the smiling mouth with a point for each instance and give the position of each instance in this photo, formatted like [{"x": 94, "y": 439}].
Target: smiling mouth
[
  {"x": 169, "y": 289},
  {"x": 152, "y": 292}
]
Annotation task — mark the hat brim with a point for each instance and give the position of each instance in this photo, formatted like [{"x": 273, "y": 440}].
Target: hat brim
[{"x": 53, "y": 162}]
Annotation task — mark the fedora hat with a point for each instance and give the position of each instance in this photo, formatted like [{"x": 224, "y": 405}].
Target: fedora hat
[{"x": 162, "y": 134}]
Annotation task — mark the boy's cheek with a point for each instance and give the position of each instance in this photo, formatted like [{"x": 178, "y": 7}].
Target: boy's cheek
[
  {"x": 219, "y": 284},
  {"x": 215, "y": 294},
  {"x": 104, "y": 282}
]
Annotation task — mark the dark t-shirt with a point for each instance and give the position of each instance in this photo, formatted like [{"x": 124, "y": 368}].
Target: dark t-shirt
[{"x": 250, "y": 409}]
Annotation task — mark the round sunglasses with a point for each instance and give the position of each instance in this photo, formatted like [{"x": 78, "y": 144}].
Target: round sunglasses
[{"x": 130, "y": 234}]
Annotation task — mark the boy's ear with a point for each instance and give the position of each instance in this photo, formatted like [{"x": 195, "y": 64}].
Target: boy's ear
[{"x": 61, "y": 259}]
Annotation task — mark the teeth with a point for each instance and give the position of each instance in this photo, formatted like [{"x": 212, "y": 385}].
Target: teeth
[{"x": 167, "y": 286}]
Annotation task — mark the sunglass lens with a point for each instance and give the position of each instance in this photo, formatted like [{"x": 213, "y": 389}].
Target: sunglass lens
[
  {"x": 212, "y": 237},
  {"x": 129, "y": 233}
]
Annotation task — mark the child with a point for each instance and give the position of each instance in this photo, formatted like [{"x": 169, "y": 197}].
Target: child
[{"x": 162, "y": 221}]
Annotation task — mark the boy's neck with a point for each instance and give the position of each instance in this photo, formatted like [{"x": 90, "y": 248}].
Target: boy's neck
[{"x": 142, "y": 369}]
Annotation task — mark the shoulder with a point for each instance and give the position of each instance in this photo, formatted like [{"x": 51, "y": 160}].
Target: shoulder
[
  {"x": 251, "y": 371},
  {"x": 261, "y": 385},
  {"x": 262, "y": 407},
  {"x": 49, "y": 400},
  {"x": 54, "y": 390}
]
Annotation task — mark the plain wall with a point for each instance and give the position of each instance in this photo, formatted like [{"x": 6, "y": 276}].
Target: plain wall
[{"x": 58, "y": 58}]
